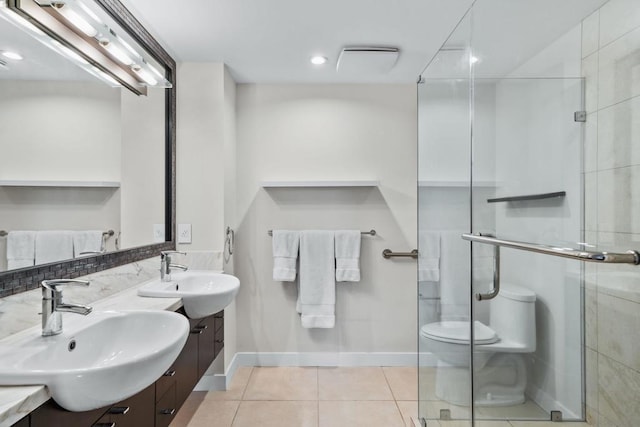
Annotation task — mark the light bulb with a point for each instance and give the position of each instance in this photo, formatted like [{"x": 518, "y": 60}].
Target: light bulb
[
  {"x": 116, "y": 52},
  {"x": 74, "y": 18},
  {"x": 318, "y": 60}
]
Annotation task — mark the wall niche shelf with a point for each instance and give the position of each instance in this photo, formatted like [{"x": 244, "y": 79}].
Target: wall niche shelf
[
  {"x": 456, "y": 184},
  {"x": 540, "y": 196},
  {"x": 68, "y": 184},
  {"x": 319, "y": 184}
]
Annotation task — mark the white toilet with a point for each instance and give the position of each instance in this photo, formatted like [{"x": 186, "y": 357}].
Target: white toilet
[{"x": 499, "y": 366}]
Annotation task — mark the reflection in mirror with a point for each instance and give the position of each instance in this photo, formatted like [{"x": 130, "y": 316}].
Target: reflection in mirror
[{"x": 83, "y": 168}]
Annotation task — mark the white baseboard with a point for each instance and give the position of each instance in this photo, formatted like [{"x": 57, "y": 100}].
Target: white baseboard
[
  {"x": 325, "y": 359},
  {"x": 548, "y": 403}
]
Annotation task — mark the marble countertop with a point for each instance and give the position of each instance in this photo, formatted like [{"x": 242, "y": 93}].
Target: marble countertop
[{"x": 17, "y": 402}]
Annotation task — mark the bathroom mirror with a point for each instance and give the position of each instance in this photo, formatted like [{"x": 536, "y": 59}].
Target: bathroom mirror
[{"x": 81, "y": 151}]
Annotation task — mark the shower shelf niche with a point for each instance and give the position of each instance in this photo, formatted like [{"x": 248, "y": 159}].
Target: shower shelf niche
[
  {"x": 319, "y": 184},
  {"x": 527, "y": 197}
]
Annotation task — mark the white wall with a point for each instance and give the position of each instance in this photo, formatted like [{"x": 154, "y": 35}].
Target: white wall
[
  {"x": 327, "y": 132},
  {"x": 143, "y": 166}
]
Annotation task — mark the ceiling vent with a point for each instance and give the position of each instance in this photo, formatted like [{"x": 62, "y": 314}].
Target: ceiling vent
[{"x": 367, "y": 60}]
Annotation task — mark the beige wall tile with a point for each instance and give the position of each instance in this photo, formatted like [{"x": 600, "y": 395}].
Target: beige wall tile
[
  {"x": 619, "y": 71},
  {"x": 618, "y": 322},
  {"x": 590, "y": 33},
  {"x": 591, "y": 319},
  {"x": 590, "y": 73},
  {"x": 282, "y": 383},
  {"x": 591, "y": 143},
  {"x": 591, "y": 381},
  {"x": 353, "y": 384},
  {"x": 359, "y": 414},
  {"x": 276, "y": 414},
  {"x": 403, "y": 382},
  {"x": 618, "y": 391},
  {"x": 618, "y": 129},
  {"x": 618, "y": 17},
  {"x": 618, "y": 200}
]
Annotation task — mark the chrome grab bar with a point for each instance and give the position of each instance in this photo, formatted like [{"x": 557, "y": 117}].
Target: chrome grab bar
[
  {"x": 388, "y": 253},
  {"x": 629, "y": 257}
]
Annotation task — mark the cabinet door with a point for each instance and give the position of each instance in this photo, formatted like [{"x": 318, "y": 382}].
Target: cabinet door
[
  {"x": 136, "y": 411},
  {"x": 166, "y": 408},
  {"x": 186, "y": 367},
  {"x": 206, "y": 344},
  {"x": 52, "y": 415},
  {"x": 23, "y": 422}
]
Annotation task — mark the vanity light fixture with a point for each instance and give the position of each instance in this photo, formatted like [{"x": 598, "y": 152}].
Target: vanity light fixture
[
  {"x": 82, "y": 36},
  {"x": 74, "y": 18},
  {"x": 115, "y": 51},
  {"x": 12, "y": 55},
  {"x": 318, "y": 60}
]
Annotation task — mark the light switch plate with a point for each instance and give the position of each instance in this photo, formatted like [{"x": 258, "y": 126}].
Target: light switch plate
[
  {"x": 158, "y": 233},
  {"x": 184, "y": 233}
]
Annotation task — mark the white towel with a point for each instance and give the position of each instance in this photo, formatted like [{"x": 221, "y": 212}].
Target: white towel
[
  {"x": 52, "y": 246},
  {"x": 285, "y": 253},
  {"x": 21, "y": 249},
  {"x": 317, "y": 288},
  {"x": 429, "y": 259},
  {"x": 86, "y": 241},
  {"x": 347, "y": 255}
]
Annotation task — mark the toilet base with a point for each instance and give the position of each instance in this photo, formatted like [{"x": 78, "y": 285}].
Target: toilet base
[{"x": 500, "y": 383}]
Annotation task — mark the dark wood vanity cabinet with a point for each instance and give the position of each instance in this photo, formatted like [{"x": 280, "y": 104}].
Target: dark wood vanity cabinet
[{"x": 157, "y": 405}]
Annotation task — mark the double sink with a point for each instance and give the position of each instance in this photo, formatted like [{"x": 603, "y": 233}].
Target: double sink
[{"x": 107, "y": 356}]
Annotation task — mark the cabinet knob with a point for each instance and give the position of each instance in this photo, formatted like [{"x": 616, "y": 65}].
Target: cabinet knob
[
  {"x": 104, "y": 425},
  {"x": 169, "y": 373},
  {"x": 202, "y": 327},
  {"x": 118, "y": 410},
  {"x": 167, "y": 411},
  {"x": 219, "y": 341},
  {"x": 197, "y": 331}
]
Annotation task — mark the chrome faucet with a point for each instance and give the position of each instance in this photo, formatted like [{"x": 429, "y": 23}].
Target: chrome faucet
[
  {"x": 52, "y": 305},
  {"x": 166, "y": 265}
]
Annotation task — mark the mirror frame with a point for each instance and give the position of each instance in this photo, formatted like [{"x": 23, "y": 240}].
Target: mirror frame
[{"x": 25, "y": 279}]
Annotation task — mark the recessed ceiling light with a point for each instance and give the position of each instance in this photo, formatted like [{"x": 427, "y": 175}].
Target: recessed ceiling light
[
  {"x": 318, "y": 60},
  {"x": 12, "y": 55}
]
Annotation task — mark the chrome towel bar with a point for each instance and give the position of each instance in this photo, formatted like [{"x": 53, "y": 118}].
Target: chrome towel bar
[
  {"x": 388, "y": 253},
  {"x": 370, "y": 232},
  {"x": 629, "y": 257},
  {"x": 109, "y": 233}
]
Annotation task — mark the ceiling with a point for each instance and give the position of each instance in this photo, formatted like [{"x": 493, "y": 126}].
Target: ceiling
[{"x": 271, "y": 41}]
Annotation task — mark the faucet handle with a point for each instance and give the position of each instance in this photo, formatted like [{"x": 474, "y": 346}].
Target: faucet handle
[{"x": 49, "y": 287}]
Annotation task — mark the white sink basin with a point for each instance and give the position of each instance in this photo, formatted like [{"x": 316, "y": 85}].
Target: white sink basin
[
  {"x": 115, "y": 355},
  {"x": 203, "y": 292}
]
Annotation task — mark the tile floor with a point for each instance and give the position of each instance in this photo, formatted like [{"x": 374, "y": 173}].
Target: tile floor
[{"x": 323, "y": 397}]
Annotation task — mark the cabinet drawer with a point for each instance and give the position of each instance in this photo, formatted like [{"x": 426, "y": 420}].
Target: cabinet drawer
[
  {"x": 165, "y": 381},
  {"x": 52, "y": 415},
  {"x": 136, "y": 411},
  {"x": 166, "y": 408}
]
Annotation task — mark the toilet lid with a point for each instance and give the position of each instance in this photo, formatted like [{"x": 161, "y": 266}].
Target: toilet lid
[{"x": 458, "y": 332}]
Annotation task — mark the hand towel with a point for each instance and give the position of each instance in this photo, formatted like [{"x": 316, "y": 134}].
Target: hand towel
[
  {"x": 21, "y": 249},
  {"x": 347, "y": 244},
  {"x": 52, "y": 246},
  {"x": 429, "y": 258},
  {"x": 86, "y": 241},
  {"x": 317, "y": 288},
  {"x": 285, "y": 253}
]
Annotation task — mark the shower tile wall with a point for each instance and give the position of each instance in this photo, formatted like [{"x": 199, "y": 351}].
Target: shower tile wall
[{"x": 611, "y": 64}]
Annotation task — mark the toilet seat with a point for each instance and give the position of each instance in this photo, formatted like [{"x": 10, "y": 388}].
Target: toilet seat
[{"x": 457, "y": 332}]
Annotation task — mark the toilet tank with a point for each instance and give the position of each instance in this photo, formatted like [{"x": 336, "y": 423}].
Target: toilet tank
[{"x": 512, "y": 315}]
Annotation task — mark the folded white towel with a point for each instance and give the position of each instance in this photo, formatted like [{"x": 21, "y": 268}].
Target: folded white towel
[
  {"x": 429, "y": 259},
  {"x": 21, "y": 245},
  {"x": 86, "y": 241},
  {"x": 52, "y": 246},
  {"x": 347, "y": 244},
  {"x": 317, "y": 289},
  {"x": 285, "y": 253}
]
